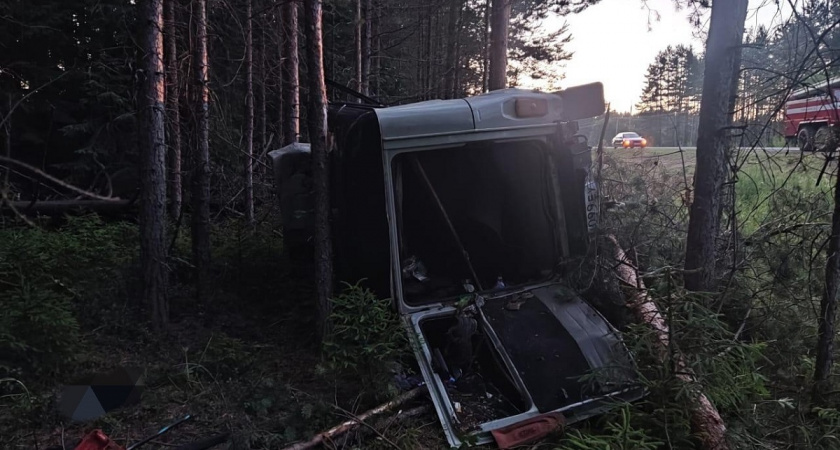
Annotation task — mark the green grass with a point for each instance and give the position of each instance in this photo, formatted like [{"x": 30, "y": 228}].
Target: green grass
[
  {"x": 793, "y": 176},
  {"x": 766, "y": 189}
]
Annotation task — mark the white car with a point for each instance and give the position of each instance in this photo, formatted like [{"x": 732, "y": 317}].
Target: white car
[{"x": 628, "y": 139}]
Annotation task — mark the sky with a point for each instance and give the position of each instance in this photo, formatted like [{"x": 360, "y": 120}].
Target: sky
[{"x": 614, "y": 41}]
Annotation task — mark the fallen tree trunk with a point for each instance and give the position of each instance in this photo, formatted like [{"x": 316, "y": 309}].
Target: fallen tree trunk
[
  {"x": 705, "y": 418},
  {"x": 351, "y": 424},
  {"x": 56, "y": 207}
]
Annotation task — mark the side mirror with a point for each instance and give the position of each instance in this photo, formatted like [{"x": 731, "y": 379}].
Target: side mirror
[
  {"x": 293, "y": 183},
  {"x": 582, "y": 102}
]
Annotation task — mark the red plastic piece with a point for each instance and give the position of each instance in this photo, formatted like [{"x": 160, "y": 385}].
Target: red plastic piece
[
  {"x": 97, "y": 440},
  {"x": 528, "y": 430}
]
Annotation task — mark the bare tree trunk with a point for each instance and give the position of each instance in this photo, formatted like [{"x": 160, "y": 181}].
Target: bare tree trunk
[
  {"x": 201, "y": 155},
  {"x": 261, "y": 105},
  {"x": 453, "y": 31},
  {"x": 153, "y": 168},
  {"x": 419, "y": 67},
  {"x": 485, "y": 47},
  {"x": 317, "y": 119},
  {"x": 358, "y": 41},
  {"x": 828, "y": 306},
  {"x": 500, "y": 20},
  {"x": 281, "y": 86},
  {"x": 366, "y": 41},
  {"x": 456, "y": 77},
  {"x": 427, "y": 55},
  {"x": 7, "y": 139},
  {"x": 376, "y": 61},
  {"x": 723, "y": 61},
  {"x": 173, "y": 112},
  {"x": 291, "y": 79},
  {"x": 249, "y": 113}
]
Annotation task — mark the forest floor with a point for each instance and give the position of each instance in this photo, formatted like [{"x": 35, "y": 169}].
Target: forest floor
[
  {"x": 245, "y": 366},
  {"x": 245, "y": 360}
]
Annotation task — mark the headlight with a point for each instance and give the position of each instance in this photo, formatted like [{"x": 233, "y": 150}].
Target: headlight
[{"x": 644, "y": 141}]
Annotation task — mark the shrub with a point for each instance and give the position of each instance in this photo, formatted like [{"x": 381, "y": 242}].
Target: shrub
[
  {"x": 48, "y": 277},
  {"x": 617, "y": 435},
  {"x": 366, "y": 338},
  {"x": 37, "y": 326}
]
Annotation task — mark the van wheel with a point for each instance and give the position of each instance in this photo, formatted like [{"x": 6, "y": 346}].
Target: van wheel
[
  {"x": 825, "y": 139},
  {"x": 805, "y": 139}
]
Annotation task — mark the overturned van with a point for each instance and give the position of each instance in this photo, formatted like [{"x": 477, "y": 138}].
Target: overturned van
[{"x": 469, "y": 214}]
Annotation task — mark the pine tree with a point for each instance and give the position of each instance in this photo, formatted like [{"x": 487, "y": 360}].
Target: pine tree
[
  {"x": 317, "y": 120},
  {"x": 201, "y": 155},
  {"x": 153, "y": 167}
]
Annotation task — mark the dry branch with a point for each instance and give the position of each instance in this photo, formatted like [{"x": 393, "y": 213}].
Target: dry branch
[
  {"x": 705, "y": 418},
  {"x": 381, "y": 426},
  {"x": 5, "y": 161},
  {"x": 349, "y": 425},
  {"x": 56, "y": 207}
]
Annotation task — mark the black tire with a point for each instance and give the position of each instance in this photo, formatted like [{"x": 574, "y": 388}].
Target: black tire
[
  {"x": 805, "y": 139},
  {"x": 825, "y": 139}
]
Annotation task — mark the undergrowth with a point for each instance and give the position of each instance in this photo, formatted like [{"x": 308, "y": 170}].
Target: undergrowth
[
  {"x": 55, "y": 284},
  {"x": 366, "y": 342},
  {"x": 748, "y": 346}
]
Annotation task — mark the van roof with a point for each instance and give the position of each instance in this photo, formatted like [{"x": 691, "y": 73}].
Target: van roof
[{"x": 452, "y": 122}]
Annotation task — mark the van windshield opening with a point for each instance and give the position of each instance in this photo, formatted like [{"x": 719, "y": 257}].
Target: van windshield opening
[{"x": 495, "y": 202}]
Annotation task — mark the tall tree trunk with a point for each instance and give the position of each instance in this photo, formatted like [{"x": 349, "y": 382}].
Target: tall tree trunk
[
  {"x": 828, "y": 306},
  {"x": 453, "y": 31},
  {"x": 500, "y": 19},
  {"x": 427, "y": 56},
  {"x": 153, "y": 167},
  {"x": 291, "y": 79},
  {"x": 6, "y": 117},
  {"x": 456, "y": 82},
  {"x": 376, "y": 61},
  {"x": 249, "y": 113},
  {"x": 262, "y": 126},
  {"x": 317, "y": 120},
  {"x": 282, "y": 54},
  {"x": 367, "y": 11},
  {"x": 201, "y": 154},
  {"x": 358, "y": 41},
  {"x": 485, "y": 47},
  {"x": 723, "y": 61},
  {"x": 419, "y": 67},
  {"x": 436, "y": 85},
  {"x": 173, "y": 111}
]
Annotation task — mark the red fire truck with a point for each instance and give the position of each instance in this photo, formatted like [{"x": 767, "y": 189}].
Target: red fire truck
[{"x": 812, "y": 116}]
